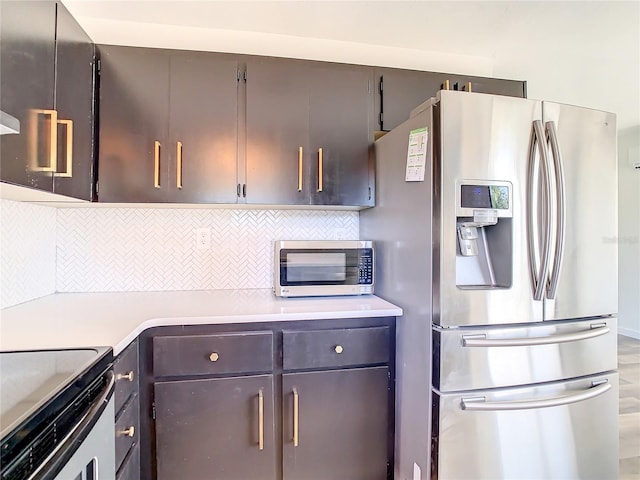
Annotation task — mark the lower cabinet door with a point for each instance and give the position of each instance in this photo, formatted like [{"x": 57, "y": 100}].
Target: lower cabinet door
[
  {"x": 335, "y": 424},
  {"x": 219, "y": 428}
]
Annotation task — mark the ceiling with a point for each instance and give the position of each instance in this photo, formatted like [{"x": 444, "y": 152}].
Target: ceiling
[{"x": 479, "y": 28}]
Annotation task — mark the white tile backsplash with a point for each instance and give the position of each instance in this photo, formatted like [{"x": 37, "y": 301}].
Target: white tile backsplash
[
  {"x": 138, "y": 249},
  {"x": 27, "y": 252},
  {"x": 46, "y": 249}
]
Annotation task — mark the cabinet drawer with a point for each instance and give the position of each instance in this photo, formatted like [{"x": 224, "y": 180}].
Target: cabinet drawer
[
  {"x": 213, "y": 354},
  {"x": 127, "y": 429},
  {"x": 335, "y": 348},
  {"x": 126, "y": 372},
  {"x": 130, "y": 469}
]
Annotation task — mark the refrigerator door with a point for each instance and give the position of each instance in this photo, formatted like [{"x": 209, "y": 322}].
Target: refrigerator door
[
  {"x": 562, "y": 430},
  {"x": 476, "y": 358},
  {"x": 484, "y": 138},
  {"x": 583, "y": 275}
]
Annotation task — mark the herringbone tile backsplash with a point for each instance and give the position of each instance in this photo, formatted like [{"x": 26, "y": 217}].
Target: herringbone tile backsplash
[
  {"x": 135, "y": 249},
  {"x": 27, "y": 252}
]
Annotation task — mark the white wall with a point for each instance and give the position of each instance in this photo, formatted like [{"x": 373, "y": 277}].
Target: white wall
[
  {"x": 629, "y": 232},
  {"x": 27, "y": 252}
]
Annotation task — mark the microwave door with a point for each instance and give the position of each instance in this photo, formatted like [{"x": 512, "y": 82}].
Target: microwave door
[{"x": 311, "y": 268}]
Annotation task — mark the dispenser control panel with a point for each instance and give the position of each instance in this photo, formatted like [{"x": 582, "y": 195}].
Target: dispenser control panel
[{"x": 484, "y": 199}]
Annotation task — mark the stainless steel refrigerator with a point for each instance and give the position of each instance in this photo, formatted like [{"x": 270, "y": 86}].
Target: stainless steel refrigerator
[{"x": 495, "y": 227}]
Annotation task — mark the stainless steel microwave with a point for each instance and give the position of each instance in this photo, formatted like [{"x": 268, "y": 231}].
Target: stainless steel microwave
[{"x": 323, "y": 267}]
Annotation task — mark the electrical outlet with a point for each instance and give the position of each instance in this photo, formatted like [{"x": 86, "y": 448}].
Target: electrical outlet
[
  {"x": 203, "y": 238},
  {"x": 340, "y": 234}
]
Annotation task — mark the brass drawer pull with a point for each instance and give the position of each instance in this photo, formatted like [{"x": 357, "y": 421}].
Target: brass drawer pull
[
  {"x": 338, "y": 349},
  {"x": 68, "y": 173},
  {"x": 296, "y": 417},
  {"x": 214, "y": 357},
  {"x": 260, "y": 420},
  {"x": 179, "y": 165},
  {"x": 129, "y": 376},
  {"x": 156, "y": 163},
  {"x": 320, "y": 170},
  {"x": 129, "y": 432},
  {"x": 300, "y": 169}
]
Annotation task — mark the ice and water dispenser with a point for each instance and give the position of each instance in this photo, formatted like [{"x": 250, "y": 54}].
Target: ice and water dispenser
[{"x": 484, "y": 214}]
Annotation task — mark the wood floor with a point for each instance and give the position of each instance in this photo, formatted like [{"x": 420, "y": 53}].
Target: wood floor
[{"x": 629, "y": 416}]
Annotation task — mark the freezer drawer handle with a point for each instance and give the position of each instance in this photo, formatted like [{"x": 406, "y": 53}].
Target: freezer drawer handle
[
  {"x": 479, "y": 403},
  {"x": 483, "y": 341}
]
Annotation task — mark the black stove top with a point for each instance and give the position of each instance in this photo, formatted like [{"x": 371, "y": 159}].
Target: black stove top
[{"x": 40, "y": 393}]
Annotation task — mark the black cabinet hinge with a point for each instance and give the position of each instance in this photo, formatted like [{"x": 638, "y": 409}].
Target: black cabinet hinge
[
  {"x": 381, "y": 86},
  {"x": 153, "y": 411},
  {"x": 98, "y": 64}
]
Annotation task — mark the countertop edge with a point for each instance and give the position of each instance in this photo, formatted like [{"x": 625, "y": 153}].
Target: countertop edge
[{"x": 82, "y": 320}]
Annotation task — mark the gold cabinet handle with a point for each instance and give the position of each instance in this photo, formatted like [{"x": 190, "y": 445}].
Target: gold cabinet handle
[
  {"x": 338, "y": 349},
  {"x": 156, "y": 163},
  {"x": 300, "y": 169},
  {"x": 320, "y": 169},
  {"x": 214, "y": 357},
  {"x": 179, "y": 165},
  {"x": 129, "y": 432},
  {"x": 68, "y": 173},
  {"x": 296, "y": 416},
  {"x": 128, "y": 376},
  {"x": 53, "y": 141},
  {"x": 260, "y": 420}
]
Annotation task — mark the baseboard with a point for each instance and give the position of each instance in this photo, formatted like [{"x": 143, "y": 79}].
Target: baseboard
[{"x": 628, "y": 332}]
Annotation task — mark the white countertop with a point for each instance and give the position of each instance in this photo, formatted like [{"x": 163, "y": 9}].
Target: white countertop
[{"x": 73, "y": 320}]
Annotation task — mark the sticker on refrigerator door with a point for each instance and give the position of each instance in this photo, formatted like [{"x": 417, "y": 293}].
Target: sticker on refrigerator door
[{"x": 417, "y": 155}]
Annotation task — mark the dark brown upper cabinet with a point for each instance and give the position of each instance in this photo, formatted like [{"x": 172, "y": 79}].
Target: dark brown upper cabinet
[
  {"x": 168, "y": 126},
  {"x": 47, "y": 85},
  {"x": 399, "y": 91},
  {"x": 308, "y": 133}
]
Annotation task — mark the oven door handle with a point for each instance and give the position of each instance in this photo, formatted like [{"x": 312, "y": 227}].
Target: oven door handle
[{"x": 63, "y": 451}]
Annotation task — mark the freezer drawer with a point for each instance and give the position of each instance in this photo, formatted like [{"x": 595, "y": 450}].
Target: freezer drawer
[
  {"x": 473, "y": 358},
  {"x": 565, "y": 430}
]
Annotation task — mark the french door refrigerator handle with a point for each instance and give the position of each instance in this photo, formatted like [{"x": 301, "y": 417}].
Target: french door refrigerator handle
[
  {"x": 552, "y": 138},
  {"x": 538, "y": 274},
  {"x": 479, "y": 403},
  {"x": 482, "y": 341}
]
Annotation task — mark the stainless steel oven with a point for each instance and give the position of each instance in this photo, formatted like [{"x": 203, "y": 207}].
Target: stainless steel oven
[
  {"x": 323, "y": 267},
  {"x": 57, "y": 415}
]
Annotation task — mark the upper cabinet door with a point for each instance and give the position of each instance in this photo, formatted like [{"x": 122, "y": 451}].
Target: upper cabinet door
[
  {"x": 203, "y": 128},
  {"x": 400, "y": 91},
  {"x": 340, "y": 105},
  {"x": 277, "y": 155},
  {"x": 27, "y": 51},
  {"x": 134, "y": 123},
  {"x": 75, "y": 77}
]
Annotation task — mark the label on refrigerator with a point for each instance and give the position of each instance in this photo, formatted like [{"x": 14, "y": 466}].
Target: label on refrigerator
[{"x": 417, "y": 155}]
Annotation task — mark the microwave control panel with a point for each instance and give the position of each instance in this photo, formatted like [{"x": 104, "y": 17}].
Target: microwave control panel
[{"x": 365, "y": 266}]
